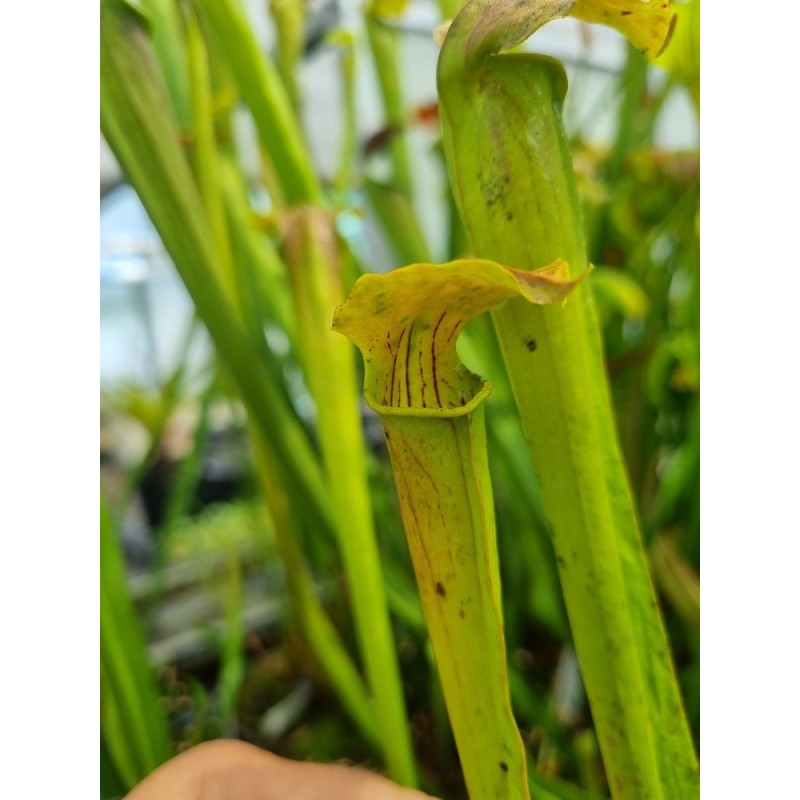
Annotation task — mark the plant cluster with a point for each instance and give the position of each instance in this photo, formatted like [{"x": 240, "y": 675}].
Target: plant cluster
[{"x": 494, "y": 565}]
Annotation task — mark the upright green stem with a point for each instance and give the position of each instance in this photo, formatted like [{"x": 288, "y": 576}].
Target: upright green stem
[
  {"x": 513, "y": 180},
  {"x": 313, "y": 257},
  {"x": 394, "y": 203},
  {"x": 232, "y": 657},
  {"x": 385, "y": 53},
  {"x": 349, "y": 125},
  {"x": 309, "y": 613},
  {"x": 449, "y": 520},
  {"x": 136, "y": 121},
  {"x": 133, "y": 725},
  {"x": 170, "y": 47},
  {"x": 206, "y": 162},
  {"x": 264, "y": 92},
  {"x": 289, "y": 17},
  {"x": 137, "y": 124}
]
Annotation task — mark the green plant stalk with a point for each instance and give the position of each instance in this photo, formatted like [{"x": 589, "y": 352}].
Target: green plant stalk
[
  {"x": 133, "y": 726},
  {"x": 633, "y": 85},
  {"x": 289, "y": 17},
  {"x": 261, "y": 275},
  {"x": 514, "y": 184},
  {"x": 588, "y": 760},
  {"x": 406, "y": 324},
  {"x": 232, "y": 659},
  {"x": 182, "y": 493},
  {"x": 184, "y": 487},
  {"x": 635, "y": 120},
  {"x": 168, "y": 42},
  {"x": 205, "y": 159},
  {"x": 112, "y": 786},
  {"x": 396, "y": 215},
  {"x": 383, "y": 44},
  {"x": 309, "y": 614},
  {"x": 449, "y": 521},
  {"x": 394, "y": 203},
  {"x": 264, "y": 93},
  {"x": 136, "y": 122},
  {"x": 209, "y": 94},
  {"x": 313, "y": 257},
  {"x": 349, "y": 144},
  {"x": 223, "y": 193}
]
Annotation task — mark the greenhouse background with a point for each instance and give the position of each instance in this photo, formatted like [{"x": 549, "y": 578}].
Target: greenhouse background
[{"x": 136, "y": 343}]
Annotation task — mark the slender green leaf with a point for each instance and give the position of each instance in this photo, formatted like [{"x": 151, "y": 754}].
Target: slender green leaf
[
  {"x": 136, "y": 122},
  {"x": 395, "y": 205},
  {"x": 323, "y": 640},
  {"x": 132, "y": 724},
  {"x": 264, "y": 93},
  {"x": 170, "y": 48},
  {"x": 396, "y": 215},
  {"x": 290, "y": 26},
  {"x": 313, "y": 256}
]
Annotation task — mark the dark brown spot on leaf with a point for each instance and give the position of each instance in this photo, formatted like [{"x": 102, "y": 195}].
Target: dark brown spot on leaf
[{"x": 440, "y": 590}]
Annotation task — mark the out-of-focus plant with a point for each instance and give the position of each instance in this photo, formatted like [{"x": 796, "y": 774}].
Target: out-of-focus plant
[
  {"x": 135, "y": 737},
  {"x": 137, "y": 123}
]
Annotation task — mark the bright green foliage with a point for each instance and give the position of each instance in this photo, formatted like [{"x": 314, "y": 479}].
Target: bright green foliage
[
  {"x": 136, "y": 121},
  {"x": 515, "y": 189},
  {"x": 313, "y": 256},
  {"x": 290, "y": 19},
  {"x": 266, "y": 96},
  {"x": 393, "y": 203},
  {"x": 136, "y": 737},
  {"x": 264, "y": 255}
]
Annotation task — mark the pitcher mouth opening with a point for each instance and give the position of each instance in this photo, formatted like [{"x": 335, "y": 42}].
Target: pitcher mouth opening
[{"x": 481, "y": 390}]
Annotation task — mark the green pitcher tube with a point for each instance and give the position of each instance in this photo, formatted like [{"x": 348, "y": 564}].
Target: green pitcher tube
[
  {"x": 515, "y": 188},
  {"x": 406, "y": 324}
]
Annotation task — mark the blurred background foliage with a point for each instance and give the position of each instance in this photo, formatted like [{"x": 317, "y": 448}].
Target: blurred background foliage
[{"x": 235, "y": 576}]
